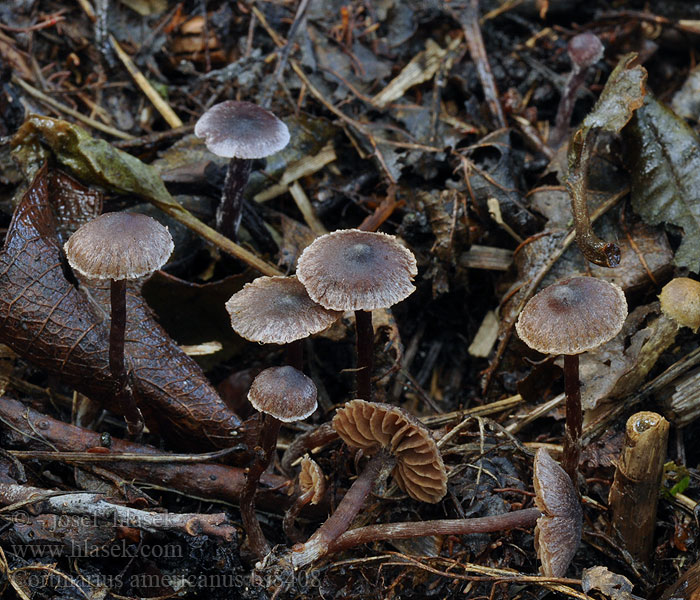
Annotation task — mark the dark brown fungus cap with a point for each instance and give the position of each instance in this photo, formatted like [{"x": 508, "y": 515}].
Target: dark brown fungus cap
[
  {"x": 357, "y": 270},
  {"x": 572, "y": 316},
  {"x": 558, "y": 530},
  {"x": 680, "y": 300},
  {"x": 312, "y": 479},
  {"x": 585, "y": 49},
  {"x": 277, "y": 310},
  {"x": 241, "y": 130},
  {"x": 419, "y": 469},
  {"x": 119, "y": 245},
  {"x": 283, "y": 392}
]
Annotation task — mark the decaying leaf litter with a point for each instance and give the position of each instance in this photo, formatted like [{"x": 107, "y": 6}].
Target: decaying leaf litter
[{"x": 440, "y": 123}]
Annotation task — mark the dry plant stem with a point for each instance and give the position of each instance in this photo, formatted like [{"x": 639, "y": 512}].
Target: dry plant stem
[
  {"x": 292, "y": 513},
  {"x": 634, "y": 493},
  {"x": 230, "y": 210},
  {"x": 398, "y": 531},
  {"x": 268, "y": 442},
  {"x": 597, "y": 251},
  {"x": 351, "y": 504},
  {"x": 122, "y": 393},
  {"x": 574, "y": 418},
  {"x": 295, "y": 354},
  {"x": 365, "y": 353}
]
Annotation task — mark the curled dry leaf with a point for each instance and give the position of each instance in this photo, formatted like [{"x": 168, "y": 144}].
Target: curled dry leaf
[{"x": 64, "y": 329}]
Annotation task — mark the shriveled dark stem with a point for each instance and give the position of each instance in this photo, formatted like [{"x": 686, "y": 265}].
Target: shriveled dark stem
[
  {"x": 566, "y": 104},
  {"x": 295, "y": 354},
  {"x": 126, "y": 404},
  {"x": 599, "y": 252},
  {"x": 268, "y": 442},
  {"x": 322, "y": 435},
  {"x": 398, "y": 531},
  {"x": 365, "y": 353},
  {"x": 230, "y": 210},
  {"x": 290, "y": 517},
  {"x": 574, "y": 419},
  {"x": 337, "y": 524}
]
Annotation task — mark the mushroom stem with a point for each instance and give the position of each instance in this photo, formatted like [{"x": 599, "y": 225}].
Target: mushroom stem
[
  {"x": 337, "y": 524},
  {"x": 292, "y": 513},
  {"x": 396, "y": 531},
  {"x": 268, "y": 442},
  {"x": 230, "y": 209},
  {"x": 365, "y": 353},
  {"x": 574, "y": 418},
  {"x": 117, "y": 331},
  {"x": 295, "y": 354}
]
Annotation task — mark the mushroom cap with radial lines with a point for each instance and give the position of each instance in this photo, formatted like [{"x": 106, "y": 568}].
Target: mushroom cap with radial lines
[
  {"x": 558, "y": 530},
  {"x": 311, "y": 478},
  {"x": 241, "y": 130},
  {"x": 283, "y": 392},
  {"x": 277, "y": 310},
  {"x": 572, "y": 316},
  {"x": 351, "y": 269},
  {"x": 419, "y": 469},
  {"x": 119, "y": 245}
]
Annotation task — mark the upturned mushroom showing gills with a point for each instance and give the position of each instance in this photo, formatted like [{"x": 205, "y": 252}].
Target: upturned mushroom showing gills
[
  {"x": 396, "y": 440},
  {"x": 119, "y": 246},
  {"x": 241, "y": 131},
  {"x": 278, "y": 310},
  {"x": 282, "y": 395},
  {"x": 570, "y": 317},
  {"x": 359, "y": 271}
]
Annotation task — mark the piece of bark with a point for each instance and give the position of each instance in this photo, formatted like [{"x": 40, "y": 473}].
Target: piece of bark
[{"x": 634, "y": 493}]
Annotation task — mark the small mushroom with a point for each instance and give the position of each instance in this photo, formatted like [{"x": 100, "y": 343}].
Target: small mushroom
[
  {"x": 570, "y": 317},
  {"x": 680, "y": 301},
  {"x": 119, "y": 246},
  {"x": 278, "y": 310},
  {"x": 360, "y": 271},
  {"x": 241, "y": 131},
  {"x": 397, "y": 440},
  {"x": 283, "y": 395},
  {"x": 312, "y": 487},
  {"x": 558, "y": 531}
]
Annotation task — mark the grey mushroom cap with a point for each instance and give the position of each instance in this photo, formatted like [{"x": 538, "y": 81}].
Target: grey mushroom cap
[
  {"x": 119, "y": 245},
  {"x": 351, "y": 269},
  {"x": 241, "y": 130},
  {"x": 277, "y": 310},
  {"x": 283, "y": 392},
  {"x": 572, "y": 316}
]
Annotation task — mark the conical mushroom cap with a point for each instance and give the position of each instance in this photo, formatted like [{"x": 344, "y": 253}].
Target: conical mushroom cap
[
  {"x": 558, "y": 530},
  {"x": 241, "y": 130},
  {"x": 419, "y": 469},
  {"x": 572, "y": 316},
  {"x": 680, "y": 300},
  {"x": 277, "y": 310},
  {"x": 283, "y": 392},
  {"x": 357, "y": 270},
  {"x": 119, "y": 245}
]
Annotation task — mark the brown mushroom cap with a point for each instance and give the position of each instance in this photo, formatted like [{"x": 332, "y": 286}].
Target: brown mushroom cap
[
  {"x": 241, "y": 130},
  {"x": 680, "y": 301},
  {"x": 572, "y": 316},
  {"x": 351, "y": 269},
  {"x": 277, "y": 310},
  {"x": 311, "y": 478},
  {"x": 283, "y": 392},
  {"x": 419, "y": 469},
  {"x": 119, "y": 245},
  {"x": 558, "y": 530}
]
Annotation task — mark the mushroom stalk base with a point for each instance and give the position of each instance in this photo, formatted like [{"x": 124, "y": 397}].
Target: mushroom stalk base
[
  {"x": 230, "y": 210},
  {"x": 574, "y": 419},
  {"x": 365, "y": 353},
  {"x": 398, "y": 531},
  {"x": 268, "y": 442},
  {"x": 117, "y": 331},
  {"x": 351, "y": 504}
]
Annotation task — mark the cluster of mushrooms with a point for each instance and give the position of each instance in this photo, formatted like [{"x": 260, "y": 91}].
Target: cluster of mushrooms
[{"x": 360, "y": 271}]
